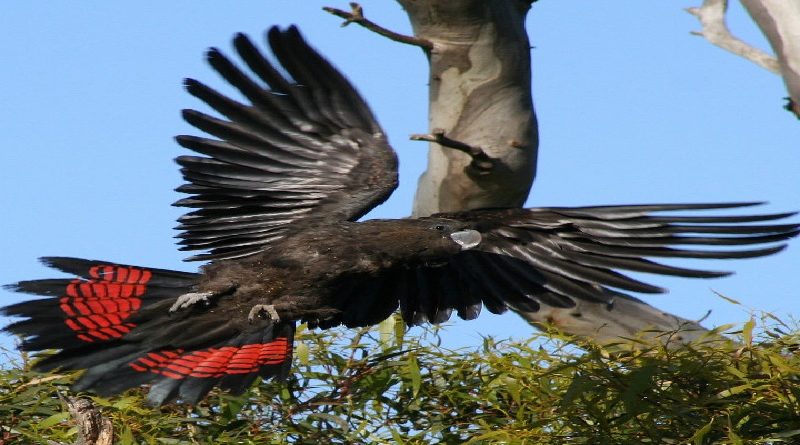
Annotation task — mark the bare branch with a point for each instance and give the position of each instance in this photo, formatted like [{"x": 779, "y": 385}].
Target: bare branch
[
  {"x": 356, "y": 15},
  {"x": 712, "y": 16}
]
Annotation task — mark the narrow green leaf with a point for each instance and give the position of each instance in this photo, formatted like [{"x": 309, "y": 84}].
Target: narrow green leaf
[
  {"x": 732, "y": 436},
  {"x": 638, "y": 381},
  {"x": 53, "y": 420},
  {"x": 125, "y": 402},
  {"x": 330, "y": 418},
  {"x": 728, "y": 299},
  {"x": 301, "y": 350},
  {"x": 733, "y": 391},
  {"x": 483, "y": 437},
  {"x": 412, "y": 368},
  {"x": 126, "y": 436},
  {"x": 399, "y": 331},
  {"x": 386, "y": 330},
  {"x": 735, "y": 372},
  {"x": 747, "y": 332},
  {"x": 700, "y": 434},
  {"x": 397, "y": 437},
  {"x": 786, "y": 434}
]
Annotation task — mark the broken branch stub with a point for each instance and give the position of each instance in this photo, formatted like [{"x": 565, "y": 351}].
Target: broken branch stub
[{"x": 356, "y": 15}]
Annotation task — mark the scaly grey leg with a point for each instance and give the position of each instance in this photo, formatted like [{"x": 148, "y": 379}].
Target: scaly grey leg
[
  {"x": 190, "y": 299},
  {"x": 259, "y": 308}
]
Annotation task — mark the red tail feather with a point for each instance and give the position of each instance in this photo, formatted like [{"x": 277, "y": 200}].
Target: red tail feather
[
  {"x": 128, "y": 337},
  {"x": 96, "y": 309},
  {"x": 215, "y": 362}
]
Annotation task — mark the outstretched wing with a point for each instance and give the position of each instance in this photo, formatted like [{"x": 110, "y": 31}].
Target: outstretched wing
[
  {"x": 305, "y": 147},
  {"x": 557, "y": 256}
]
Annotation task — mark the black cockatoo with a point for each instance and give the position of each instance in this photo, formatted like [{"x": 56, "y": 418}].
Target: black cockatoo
[{"x": 278, "y": 188}]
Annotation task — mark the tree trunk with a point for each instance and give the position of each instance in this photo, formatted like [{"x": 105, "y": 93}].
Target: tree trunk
[{"x": 480, "y": 96}]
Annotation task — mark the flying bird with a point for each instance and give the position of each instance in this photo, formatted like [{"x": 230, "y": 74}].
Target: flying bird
[{"x": 276, "y": 188}]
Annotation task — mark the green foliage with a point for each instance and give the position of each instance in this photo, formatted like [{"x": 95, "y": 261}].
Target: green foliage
[{"x": 385, "y": 385}]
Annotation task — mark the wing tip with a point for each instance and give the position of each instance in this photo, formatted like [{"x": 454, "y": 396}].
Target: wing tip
[
  {"x": 213, "y": 54},
  {"x": 53, "y": 261},
  {"x": 189, "y": 82},
  {"x": 277, "y": 36},
  {"x": 770, "y": 250},
  {"x": 12, "y": 287}
]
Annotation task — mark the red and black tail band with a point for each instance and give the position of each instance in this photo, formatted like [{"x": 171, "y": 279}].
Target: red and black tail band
[
  {"x": 189, "y": 374},
  {"x": 113, "y": 320},
  {"x": 94, "y": 307}
]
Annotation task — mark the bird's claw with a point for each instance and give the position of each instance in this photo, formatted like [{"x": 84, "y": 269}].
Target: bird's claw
[
  {"x": 190, "y": 299},
  {"x": 258, "y": 309}
]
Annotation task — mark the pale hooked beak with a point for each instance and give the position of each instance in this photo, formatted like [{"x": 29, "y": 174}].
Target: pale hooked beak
[{"x": 467, "y": 239}]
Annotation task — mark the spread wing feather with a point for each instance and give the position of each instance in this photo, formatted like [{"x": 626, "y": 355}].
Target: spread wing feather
[
  {"x": 304, "y": 147},
  {"x": 557, "y": 256}
]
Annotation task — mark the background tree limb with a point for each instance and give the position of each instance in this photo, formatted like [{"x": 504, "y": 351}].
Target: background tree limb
[
  {"x": 779, "y": 20},
  {"x": 712, "y": 17}
]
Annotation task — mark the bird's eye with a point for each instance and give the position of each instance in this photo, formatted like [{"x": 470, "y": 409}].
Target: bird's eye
[{"x": 439, "y": 228}]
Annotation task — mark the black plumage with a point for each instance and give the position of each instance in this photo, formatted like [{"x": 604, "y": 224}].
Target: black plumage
[{"x": 276, "y": 190}]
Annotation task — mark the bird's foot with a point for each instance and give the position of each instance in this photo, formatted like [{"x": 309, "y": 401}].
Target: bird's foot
[
  {"x": 190, "y": 299},
  {"x": 259, "y": 309}
]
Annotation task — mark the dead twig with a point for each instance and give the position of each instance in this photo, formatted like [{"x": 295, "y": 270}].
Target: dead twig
[
  {"x": 356, "y": 15},
  {"x": 37, "y": 381}
]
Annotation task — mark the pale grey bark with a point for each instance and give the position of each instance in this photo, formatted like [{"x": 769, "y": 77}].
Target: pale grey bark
[
  {"x": 627, "y": 321},
  {"x": 714, "y": 29},
  {"x": 779, "y": 20},
  {"x": 480, "y": 96}
]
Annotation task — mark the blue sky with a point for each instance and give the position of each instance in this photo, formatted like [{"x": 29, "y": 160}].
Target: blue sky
[{"x": 632, "y": 109}]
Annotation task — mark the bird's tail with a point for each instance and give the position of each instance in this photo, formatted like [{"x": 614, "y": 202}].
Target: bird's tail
[
  {"x": 113, "y": 320},
  {"x": 93, "y": 308}
]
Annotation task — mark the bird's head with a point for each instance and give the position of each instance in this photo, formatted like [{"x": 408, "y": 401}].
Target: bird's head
[
  {"x": 456, "y": 231},
  {"x": 414, "y": 240}
]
